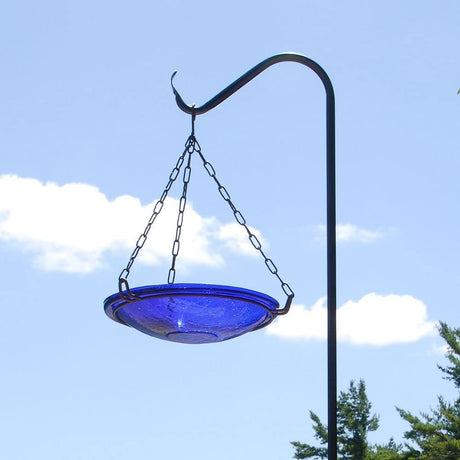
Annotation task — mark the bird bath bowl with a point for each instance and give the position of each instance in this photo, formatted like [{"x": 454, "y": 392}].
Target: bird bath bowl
[{"x": 192, "y": 313}]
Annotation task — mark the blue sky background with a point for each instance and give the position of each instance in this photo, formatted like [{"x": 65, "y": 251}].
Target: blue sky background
[{"x": 85, "y": 100}]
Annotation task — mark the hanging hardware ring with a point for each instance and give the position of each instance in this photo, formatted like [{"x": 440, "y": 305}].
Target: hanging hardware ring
[
  {"x": 193, "y": 119},
  {"x": 127, "y": 295}
]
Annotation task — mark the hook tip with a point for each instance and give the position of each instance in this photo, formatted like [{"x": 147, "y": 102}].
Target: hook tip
[
  {"x": 180, "y": 102},
  {"x": 172, "y": 78}
]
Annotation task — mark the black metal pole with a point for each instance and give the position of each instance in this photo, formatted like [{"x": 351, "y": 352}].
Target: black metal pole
[{"x": 331, "y": 222}]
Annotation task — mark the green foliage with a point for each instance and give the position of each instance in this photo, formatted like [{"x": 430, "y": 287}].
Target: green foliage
[
  {"x": 452, "y": 337},
  {"x": 307, "y": 451},
  {"x": 390, "y": 451},
  {"x": 354, "y": 422},
  {"x": 436, "y": 435}
]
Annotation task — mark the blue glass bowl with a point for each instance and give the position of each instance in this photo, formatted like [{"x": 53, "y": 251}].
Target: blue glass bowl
[{"x": 193, "y": 313}]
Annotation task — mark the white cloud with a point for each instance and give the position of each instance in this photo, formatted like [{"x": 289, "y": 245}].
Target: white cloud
[
  {"x": 349, "y": 233},
  {"x": 373, "y": 320},
  {"x": 70, "y": 227}
]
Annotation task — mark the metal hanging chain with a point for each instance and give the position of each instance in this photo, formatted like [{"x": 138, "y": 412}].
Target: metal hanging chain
[
  {"x": 123, "y": 278},
  {"x": 191, "y": 143},
  {"x": 242, "y": 221},
  {"x": 190, "y": 148}
]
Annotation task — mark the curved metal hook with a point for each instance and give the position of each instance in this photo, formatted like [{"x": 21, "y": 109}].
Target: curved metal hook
[{"x": 252, "y": 73}]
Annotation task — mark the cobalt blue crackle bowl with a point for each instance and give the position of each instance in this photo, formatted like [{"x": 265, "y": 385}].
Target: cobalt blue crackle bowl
[{"x": 193, "y": 313}]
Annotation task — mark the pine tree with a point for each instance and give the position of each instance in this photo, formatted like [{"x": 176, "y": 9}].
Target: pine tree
[
  {"x": 436, "y": 435},
  {"x": 354, "y": 422}
]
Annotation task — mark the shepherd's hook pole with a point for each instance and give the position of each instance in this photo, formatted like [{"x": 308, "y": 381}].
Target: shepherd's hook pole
[{"x": 331, "y": 219}]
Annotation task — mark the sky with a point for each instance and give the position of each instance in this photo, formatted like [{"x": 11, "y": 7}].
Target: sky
[{"x": 89, "y": 133}]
